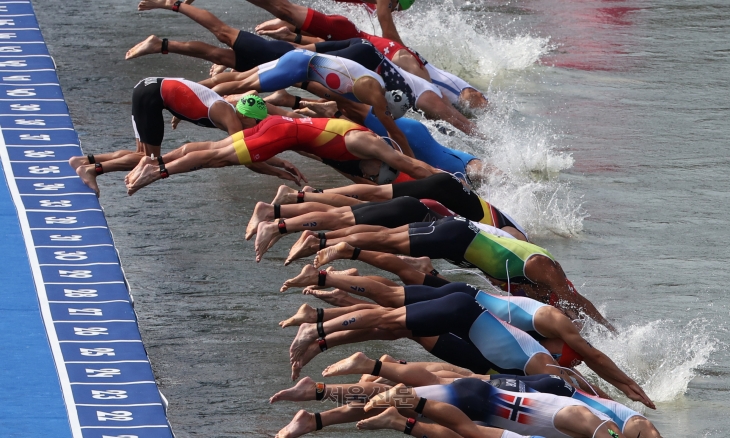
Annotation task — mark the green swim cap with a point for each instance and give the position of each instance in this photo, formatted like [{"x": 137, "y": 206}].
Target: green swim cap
[
  {"x": 252, "y": 106},
  {"x": 405, "y": 4}
]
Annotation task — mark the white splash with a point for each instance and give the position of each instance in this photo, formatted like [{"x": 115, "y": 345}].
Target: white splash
[
  {"x": 525, "y": 149},
  {"x": 658, "y": 355}
]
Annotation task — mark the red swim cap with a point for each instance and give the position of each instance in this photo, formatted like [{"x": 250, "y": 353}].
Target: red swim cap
[{"x": 569, "y": 358}]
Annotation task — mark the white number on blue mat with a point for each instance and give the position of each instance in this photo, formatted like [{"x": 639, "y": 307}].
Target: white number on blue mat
[
  {"x": 111, "y": 394},
  {"x": 114, "y": 416},
  {"x": 90, "y": 331},
  {"x": 104, "y": 372},
  {"x": 80, "y": 293},
  {"x": 95, "y": 352}
]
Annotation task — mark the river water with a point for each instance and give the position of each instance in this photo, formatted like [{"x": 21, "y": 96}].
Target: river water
[{"x": 609, "y": 122}]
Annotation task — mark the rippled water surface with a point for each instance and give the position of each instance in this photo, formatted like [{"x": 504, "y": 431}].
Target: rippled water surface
[{"x": 609, "y": 122}]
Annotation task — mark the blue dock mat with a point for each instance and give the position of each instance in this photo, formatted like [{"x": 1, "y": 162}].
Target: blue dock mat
[{"x": 73, "y": 362}]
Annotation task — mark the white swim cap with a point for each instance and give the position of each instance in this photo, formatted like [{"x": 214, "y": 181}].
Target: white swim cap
[
  {"x": 397, "y": 103},
  {"x": 387, "y": 174}
]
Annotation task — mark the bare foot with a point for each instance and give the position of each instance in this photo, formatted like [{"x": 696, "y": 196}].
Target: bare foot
[
  {"x": 217, "y": 69},
  {"x": 306, "y": 313},
  {"x": 279, "y": 98},
  {"x": 133, "y": 174},
  {"x": 282, "y": 34},
  {"x": 307, "y": 245},
  {"x": 75, "y": 162},
  {"x": 342, "y": 250},
  {"x": 307, "y": 277},
  {"x": 149, "y": 174},
  {"x": 306, "y": 334},
  {"x": 272, "y": 24},
  {"x": 321, "y": 109},
  {"x": 310, "y": 353},
  {"x": 358, "y": 363},
  {"x": 281, "y": 197},
  {"x": 421, "y": 264},
  {"x": 148, "y": 5},
  {"x": 397, "y": 394},
  {"x": 305, "y": 390},
  {"x": 147, "y": 47},
  {"x": 302, "y": 423},
  {"x": 352, "y": 272},
  {"x": 262, "y": 212},
  {"x": 337, "y": 297},
  {"x": 389, "y": 419},
  {"x": 88, "y": 176},
  {"x": 267, "y": 235}
]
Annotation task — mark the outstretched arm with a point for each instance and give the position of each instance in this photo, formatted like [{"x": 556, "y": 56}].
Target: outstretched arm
[
  {"x": 385, "y": 17},
  {"x": 596, "y": 360}
]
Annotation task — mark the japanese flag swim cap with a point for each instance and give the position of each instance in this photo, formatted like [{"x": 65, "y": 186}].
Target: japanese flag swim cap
[
  {"x": 397, "y": 103},
  {"x": 252, "y": 106}
]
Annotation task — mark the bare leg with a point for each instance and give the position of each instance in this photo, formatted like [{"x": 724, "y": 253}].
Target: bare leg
[
  {"x": 391, "y": 419},
  {"x": 225, "y": 34},
  {"x": 269, "y": 232},
  {"x": 337, "y": 297},
  {"x": 195, "y": 49},
  {"x": 410, "y": 374},
  {"x": 397, "y": 242},
  {"x": 308, "y": 314},
  {"x": 284, "y": 10},
  {"x": 386, "y": 319},
  {"x": 333, "y": 199},
  {"x": 306, "y": 390},
  {"x": 265, "y": 212}
]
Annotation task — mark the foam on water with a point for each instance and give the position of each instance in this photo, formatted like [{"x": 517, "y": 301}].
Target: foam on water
[
  {"x": 661, "y": 357},
  {"x": 523, "y": 147}
]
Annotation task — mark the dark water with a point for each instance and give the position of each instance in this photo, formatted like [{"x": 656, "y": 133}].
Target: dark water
[{"x": 611, "y": 117}]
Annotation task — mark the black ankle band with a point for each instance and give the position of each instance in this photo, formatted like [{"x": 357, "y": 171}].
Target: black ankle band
[
  {"x": 321, "y": 235},
  {"x": 322, "y": 342},
  {"x": 322, "y": 243},
  {"x": 163, "y": 171},
  {"x": 282, "y": 227},
  {"x": 298, "y": 38},
  {"x": 409, "y": 426},
  {"x": 376, "y": 368},
  {"x": 320, "y": 330},
  {"x": 318, "y": 420},
  {"x": 320, "y": 314},
  {"x": 297, "y": 101},
  {"x": 91, "y": 158},
  {"x": 165, "y": 43},
  {"x": 321, "y": 279},
  {"x": 277, "y": 211},
  {"x": 317, "y": 191},
  {"x": 355, "y": 254},
  {"x": 176, "y": 6},
  {"x": 300, "y": 197},
  {"x": 98, "y": 169},
  {"x": 421, "y": 404},
  {"x": 319, "y": 387},
  {"x": 304, "y": 85},
  {"x": 434, "y": 272}
]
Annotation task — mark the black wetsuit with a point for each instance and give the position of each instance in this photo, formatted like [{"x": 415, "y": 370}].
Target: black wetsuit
[
  {"x": 393, "y": 213},
  {"x": 252, "y": 50}
]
